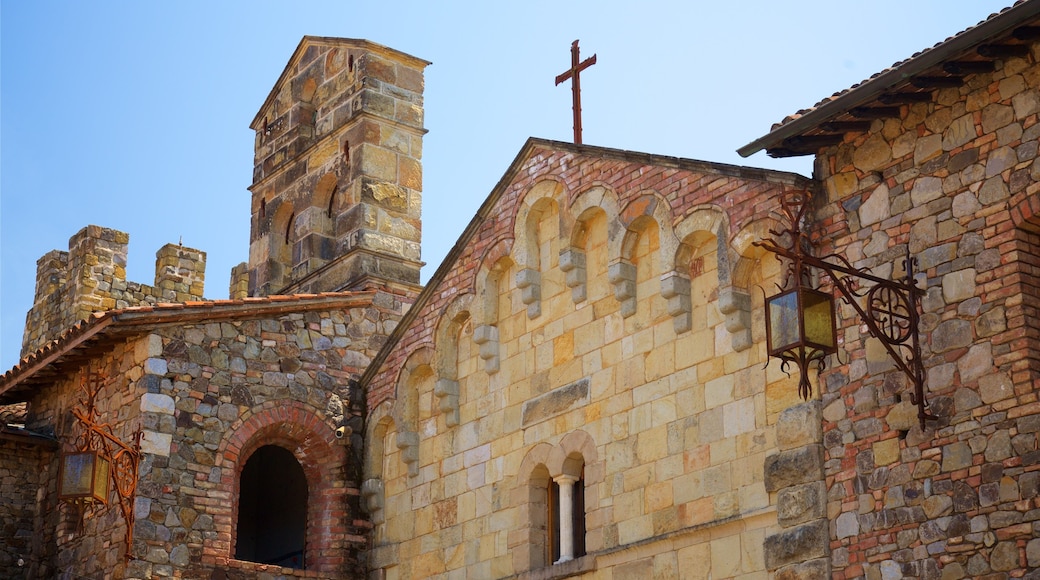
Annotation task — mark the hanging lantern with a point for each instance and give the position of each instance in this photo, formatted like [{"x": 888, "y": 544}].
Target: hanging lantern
[
  {"x": 84, "y": 477},
  {"x": 800, "y": 327}
]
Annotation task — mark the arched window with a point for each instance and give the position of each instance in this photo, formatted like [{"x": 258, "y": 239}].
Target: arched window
[
  {"x": 566, "y": 518},
  {"x": 272, "y": 509}
]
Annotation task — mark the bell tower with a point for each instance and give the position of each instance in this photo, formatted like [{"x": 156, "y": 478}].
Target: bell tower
[{"x": 337, "y": 174}]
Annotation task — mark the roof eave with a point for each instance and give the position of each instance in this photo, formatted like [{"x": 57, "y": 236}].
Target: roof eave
[{"x": 874, "y": 87}]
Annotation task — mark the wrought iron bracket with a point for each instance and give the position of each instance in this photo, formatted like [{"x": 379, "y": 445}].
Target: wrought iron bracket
[
  {"x": 891, "y": 314},
  {"x": 97, "y": 436}
]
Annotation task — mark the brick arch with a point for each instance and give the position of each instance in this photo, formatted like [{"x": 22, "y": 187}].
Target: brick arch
[
  {"x": 747, "y": 254},
  {"x": 539, "y": 197},
  {"x": 531, "y": 496},
  {"x": 449, "y": 330},
  {"x": 600, "y": 198},
  {"x": 634, "y": 216},
  {"x": 310, "y": 437},
  {"x": 454, "y": 315},
  {"x": 494, "y": 264}
]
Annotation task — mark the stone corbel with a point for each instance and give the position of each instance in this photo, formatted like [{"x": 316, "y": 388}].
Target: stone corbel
[
  {"x": 408, "y": 443},
  {"x": 623, "y": 276},
  {"x": 572, "y": 262},
  {"x": 447, "y": 391},
  {"x": 736, "y": 306},
  {"x": 372, "y": 496},
  {"x": 486, "y": 336},
  {"x": 676, "y": 290},
  {"x": 529, "y": 281}
]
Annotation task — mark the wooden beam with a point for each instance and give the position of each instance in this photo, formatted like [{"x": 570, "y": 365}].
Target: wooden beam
[
  {"x": 1003, "y": 50},
  {"x": 905, "y": 98},
  {"x": 812, "y": 142},
  {"x": 846, "y": 126},
  {"x": 965, "y": 67},
  {"x": 781, "y": 152},
  {"x": 937, "y": 82},
  {"x": 1027, "y": 32},
  {"x": 874, "y": 112}
]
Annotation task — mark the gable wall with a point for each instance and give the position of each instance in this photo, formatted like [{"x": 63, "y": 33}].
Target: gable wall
[
  {"x": 956, "y": 179},
  {"x": 673, "y": 427}
]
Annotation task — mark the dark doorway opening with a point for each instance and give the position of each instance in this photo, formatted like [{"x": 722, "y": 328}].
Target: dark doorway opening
[{"x": 272, "y": 509}]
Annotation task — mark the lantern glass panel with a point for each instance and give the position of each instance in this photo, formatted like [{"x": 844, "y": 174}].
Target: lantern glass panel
[
  {"x": 784, "y": 326},
  {"x": 818, "y": 319},
  {"x": 84, "y": 476}
]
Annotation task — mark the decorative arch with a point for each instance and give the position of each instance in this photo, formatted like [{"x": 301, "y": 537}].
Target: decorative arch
[
  {"x": 532, "y": 497},
  {"x": 645, "y": 214},
  {"x": 310, "y": 438},
  {"x": 380, "y": 423},
  {"x": 418, "y": 365},
  {"x": 597, "y": 203},
  {"x": 701, "y": 234},
  {"x": 735, "y": 298},
  {"x": 494, "y": 269},
  {"x": 546, "y": 196},
  {"x": 449, "y": 328}
]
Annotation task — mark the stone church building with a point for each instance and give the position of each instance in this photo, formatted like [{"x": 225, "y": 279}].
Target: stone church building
[{"x": 581, "y": 389}]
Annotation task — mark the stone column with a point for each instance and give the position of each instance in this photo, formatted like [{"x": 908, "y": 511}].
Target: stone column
[{"x": 566, "y": 483}]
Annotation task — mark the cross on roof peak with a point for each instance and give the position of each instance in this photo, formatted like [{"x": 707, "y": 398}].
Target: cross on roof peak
[{"x": 577, "y": 65}]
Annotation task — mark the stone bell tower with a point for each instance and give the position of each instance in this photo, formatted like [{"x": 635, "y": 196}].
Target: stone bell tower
[{"x": 337, "y": 177}]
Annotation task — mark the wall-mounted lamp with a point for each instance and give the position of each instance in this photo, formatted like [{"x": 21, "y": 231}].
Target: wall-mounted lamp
[
  {"x": 100, "y": 461},
  {"x": 800, "y": 322},
  {"x": 84, "y": 477}
]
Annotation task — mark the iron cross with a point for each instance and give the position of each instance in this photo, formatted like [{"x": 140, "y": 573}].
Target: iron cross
[{"x": 576, "y": 67}]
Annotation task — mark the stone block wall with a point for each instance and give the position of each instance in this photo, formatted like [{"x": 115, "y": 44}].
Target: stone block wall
[
  {"x": 956, "y": 181},
  {"x": 91, "y": 277},
  {"x": 668, "y": 424},
  {"x": 207, "y": 393},
  {"x": 26, "y": 539},
  {"x": 99, "y": 544}
]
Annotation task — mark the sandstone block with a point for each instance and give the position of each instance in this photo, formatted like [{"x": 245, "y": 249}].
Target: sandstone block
[
  {"x": 799, "y": 425},
  {"x": 960, "y": 131},
  {"x": 876, "y": 207},
  {"x": 794, "y": 467},
  {"x": 995, "y": 387},
  {"x": 956, "y": 456},
  {"x": 874, "y": 154},
  {"x": 801, "y": 503},
  {"x": 926, "y": 189},
  {"x": 796, "y": 545},
  {"x": 817, "y": 569},
  {"x": 950, "y": 335}
]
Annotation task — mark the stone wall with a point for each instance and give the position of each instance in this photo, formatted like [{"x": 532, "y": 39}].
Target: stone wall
[
  {"x": 954, "y": 179},
  {"x": 99, "y": 545},
  {"x": 91, "y": 276},
  {"x": 206, "y": 395},
  {"x": 26, "y": 539},
  {"x": 597, "y": 323}
]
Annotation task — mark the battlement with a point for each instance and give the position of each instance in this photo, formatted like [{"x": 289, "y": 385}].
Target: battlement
[{"x": 91, "y": 277}]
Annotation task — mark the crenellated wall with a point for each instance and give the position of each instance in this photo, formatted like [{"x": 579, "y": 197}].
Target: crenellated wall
[{"x": 91, "y": 277}]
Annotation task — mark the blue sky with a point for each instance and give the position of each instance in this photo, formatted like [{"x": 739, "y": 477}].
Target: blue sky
[{"x": 134, "y": 115}]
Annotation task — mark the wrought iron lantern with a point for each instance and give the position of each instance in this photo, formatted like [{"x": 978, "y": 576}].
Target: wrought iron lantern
[
  {"x": 800, "y": 328},
  {"x": 800, "y": 322},
  {"x": 84, "y": 477},
  {"x": 101, "y": 461}
]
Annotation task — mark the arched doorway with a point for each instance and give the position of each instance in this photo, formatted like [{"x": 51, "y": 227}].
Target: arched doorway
[{"x": 272, "y": 509}]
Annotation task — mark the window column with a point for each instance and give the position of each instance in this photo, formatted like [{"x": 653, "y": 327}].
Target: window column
[{"x": 566, "y": 483}]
